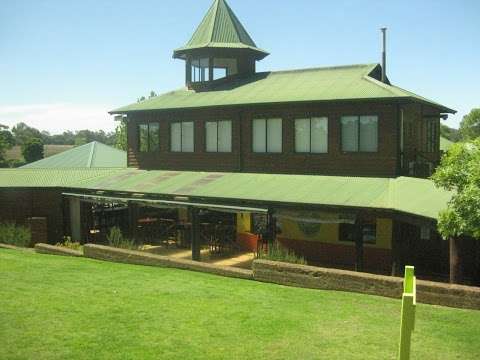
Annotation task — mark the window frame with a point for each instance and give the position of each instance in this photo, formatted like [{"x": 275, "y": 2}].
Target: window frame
[
  {"x": 181, "y": 122},
  {"x": 346, "y": 227},
  {"x": 217, "y": 142},
  {"x": 139, "y": 144},
  {"x": 431, "y": 134},
  {"x": 358, "y": 151},
  {"x": 310, "y": 117},
  {"x": 266, "y": 119}
]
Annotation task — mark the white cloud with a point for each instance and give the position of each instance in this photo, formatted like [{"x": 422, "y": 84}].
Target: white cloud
[{"x": 57, "y": 118}]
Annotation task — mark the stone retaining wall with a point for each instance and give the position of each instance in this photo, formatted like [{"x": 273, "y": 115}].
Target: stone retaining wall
[
  {"x": 56, "y": 250},
  {"x": 331, "y": 279},
  {"x": 141, "y": 258},
  {"x": 13, "y": 247}
]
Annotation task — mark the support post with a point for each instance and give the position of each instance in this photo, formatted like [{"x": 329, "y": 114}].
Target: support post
[
  {"x": 358, "y": 246},
  {"x": 455, "y": 261},
  {"x": 396, "y": 243},
  {"x": 195, "y": 235},
  {"x": 75, "y": 221}
]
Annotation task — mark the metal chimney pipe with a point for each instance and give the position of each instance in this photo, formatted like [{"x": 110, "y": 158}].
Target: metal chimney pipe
[{"x": 384, "y": 55}]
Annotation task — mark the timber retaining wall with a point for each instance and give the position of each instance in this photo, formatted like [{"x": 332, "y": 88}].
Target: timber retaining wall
[
  {"x": 331, "y": 279},
  {"x": 141, "y": 258}
]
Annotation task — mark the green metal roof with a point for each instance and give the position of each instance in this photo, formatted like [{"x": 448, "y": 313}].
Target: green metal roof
[
  {"x": 91, "y": 155},
  {"x": 49, "y": 178},
  {"x": 445, "y": 144},
  {"x": 414, "y": 196},
  {"x": 351, "y": 82},
  {"x": 220, "y": 28}
]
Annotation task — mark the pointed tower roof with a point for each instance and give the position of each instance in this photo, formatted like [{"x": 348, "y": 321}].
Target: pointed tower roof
[{"x": 220, "y": 28}]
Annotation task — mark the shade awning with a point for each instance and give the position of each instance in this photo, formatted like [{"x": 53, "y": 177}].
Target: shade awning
[{"x": 167, "y": 203}]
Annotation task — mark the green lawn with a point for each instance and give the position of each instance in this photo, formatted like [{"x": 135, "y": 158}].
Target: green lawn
[{"x": 67, "y": 308}]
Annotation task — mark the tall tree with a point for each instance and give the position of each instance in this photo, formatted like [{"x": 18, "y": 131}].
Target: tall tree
[
  {"x": 121, "y": 135},
  {"x": 23, "y": 132},
  {"x": 32, "y": 150},
  {"x": 143, "y": 98},
  {"x": 6, "y": 142},
  {"x": 459, "y": 172},
  {"x": 450, "y": 133},
  {"x": 470, "y": 125}
]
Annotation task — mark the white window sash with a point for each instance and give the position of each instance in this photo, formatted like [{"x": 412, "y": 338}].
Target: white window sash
[{"x": 274, "y": 135}]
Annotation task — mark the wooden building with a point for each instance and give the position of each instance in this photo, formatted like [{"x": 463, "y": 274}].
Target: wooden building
[
  {"x": 331, "y": 162},
  {"x": 229, "y": 117}
]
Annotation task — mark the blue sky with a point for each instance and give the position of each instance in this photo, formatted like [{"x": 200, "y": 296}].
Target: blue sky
[{"x": 64, "y": 64}]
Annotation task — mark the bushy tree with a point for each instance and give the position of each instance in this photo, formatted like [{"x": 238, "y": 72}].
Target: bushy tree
[
  {"x": 32, "y": 150},
  {"x": 6, "y": 142},
  {"x": 450, "y": 133},
  {"x": 23, "y": 133},
  {"x": 470, "y": 125},
  {"x": 459, "y": 172},
  {"x": 151, "y": 95},
  {"x": 121, "y": 135}
]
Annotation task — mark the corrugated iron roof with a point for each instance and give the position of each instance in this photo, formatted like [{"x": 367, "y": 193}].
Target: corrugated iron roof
[
  {"x": 305, "y": 85},
  {"x": 409, "y": 195},
  {"x": 220, "y": 28},
  {"x": 49, "y": 178},
  {"x": 91, "y": 155}
]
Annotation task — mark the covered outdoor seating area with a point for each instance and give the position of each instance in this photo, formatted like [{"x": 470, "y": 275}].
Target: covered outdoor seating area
[{"x": 198, "y": 232}]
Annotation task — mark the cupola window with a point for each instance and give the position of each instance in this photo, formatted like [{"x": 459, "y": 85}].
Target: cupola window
[
  {"x": 200, "y": 70},
  {"x": 224, "y": 67}
]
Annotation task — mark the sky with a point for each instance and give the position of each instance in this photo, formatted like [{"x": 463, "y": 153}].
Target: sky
[{"x": 65, "y": 64}]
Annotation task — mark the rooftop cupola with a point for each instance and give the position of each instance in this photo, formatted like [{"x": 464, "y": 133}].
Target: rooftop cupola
[{"x": 220, "y": 48}]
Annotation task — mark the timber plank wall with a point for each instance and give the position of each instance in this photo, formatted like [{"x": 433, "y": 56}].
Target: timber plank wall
[{"x": 383, "y": 163}]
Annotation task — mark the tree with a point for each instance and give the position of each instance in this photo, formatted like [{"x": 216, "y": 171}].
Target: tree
[
  {"x": 23, "y": 132},
  {"x": 459, "y": 172},
  {"x": 6, "y": 142},
  {"x": 470, "y": 125},
  {"x": 143, "y": 98},
  {"x": 450, "y": 133},
  {"x": 121, "y": 135},
  {"x": 32, "y": 150}
]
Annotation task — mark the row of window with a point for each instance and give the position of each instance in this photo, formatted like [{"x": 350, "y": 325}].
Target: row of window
[
  {"x": 220, "y": 67},
  {"x": 358, "y": 134}
]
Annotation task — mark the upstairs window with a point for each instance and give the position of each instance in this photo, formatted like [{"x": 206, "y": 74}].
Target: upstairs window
[
  {"x": 311, "y": 135},
  {"x": 218, "y": 136},
  {"x": 149, "y": 137},
  {"x": 200, "y": 70},
  {"x": 359, "y": 133},
  {"x": 224, "y": 67},
  {"x": 267, "y": 135},
  {"x": 431, "y": 135},
  {"x": 182, "y": 137}
]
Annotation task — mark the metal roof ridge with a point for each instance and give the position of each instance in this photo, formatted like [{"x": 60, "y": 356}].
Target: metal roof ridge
[
  {"x": 318, "y": 68},
  {"x": 90, "y": 156},
  {"x": 382, "y": 85},
  {"x": 215, "y": 15}
]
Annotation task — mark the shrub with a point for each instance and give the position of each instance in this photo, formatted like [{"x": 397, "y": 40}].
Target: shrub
[
  {"x": 13, "y": 234},
  {"x": 116, "y": 239},
  {"x": 68, "y": 243},
  {"x": 32, "y": 150},
  {"x": 277, "y": 252}
]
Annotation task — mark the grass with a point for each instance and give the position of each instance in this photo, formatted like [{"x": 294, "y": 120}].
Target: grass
[
  {"x": 73, "y": 308},
  {"x": 15, "y": 153}
]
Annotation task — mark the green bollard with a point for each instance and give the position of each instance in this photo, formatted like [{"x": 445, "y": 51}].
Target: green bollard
[{"x": 409, "y": 302}]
